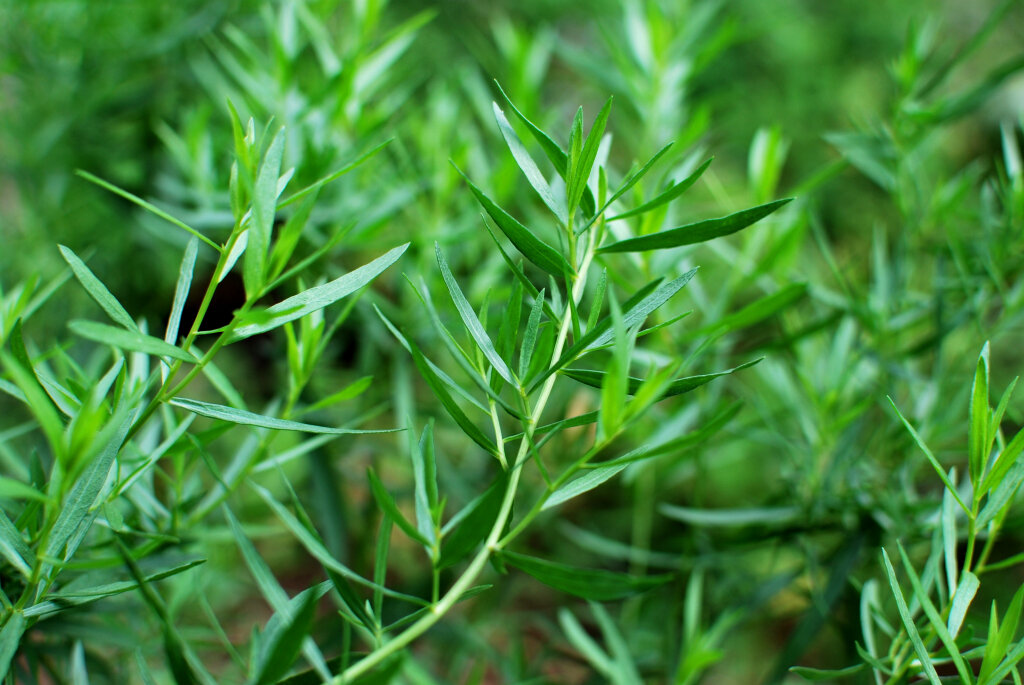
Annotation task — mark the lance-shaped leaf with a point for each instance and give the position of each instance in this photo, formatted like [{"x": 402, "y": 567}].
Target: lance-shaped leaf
[
  {"x": 97, "y": 290},
  {"x": 962, "y": 599},
  {"x": 284, "y": 636},
  {"x": 980, "y": 412},
  {"x": 387, "y": 504},
  {"x": 527, "y": 165},
  {"x": 264, "y": 206},
  {"x": 908, "y": 623},
  {"x": 471, "y": 321},
  {"x": 938, "y": 625},
  {"x": 698, "y": 232},
  {"x": 424, "y": 471},
  {"x": 82, "y": 496},
  {"x": 128, "y": 340},
  {"x": 599, "y": 585},
  {"x": 185, "y": 271},
  {"x": 581, "y": 166},
  {"x": 63, "y": 600},
  {"x": 584, "y": 483},
  {"x": 595, "y": 379},
  {"x": 10, "y": 639},
  {"x": 319, "y": 296},
  {"x": 453, "y": 409},
  {"x": 533, "y": 248},
  {"x": 248, "y": 418},
  {"x": 667, "y": 196},
  {"x": 555, "y": 154}
]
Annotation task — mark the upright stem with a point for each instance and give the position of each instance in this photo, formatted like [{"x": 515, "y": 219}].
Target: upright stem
[{"x": 493, "y": 543}]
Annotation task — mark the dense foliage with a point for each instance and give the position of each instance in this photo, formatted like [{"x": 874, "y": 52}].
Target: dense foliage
[{"x": 338, "y": 343}]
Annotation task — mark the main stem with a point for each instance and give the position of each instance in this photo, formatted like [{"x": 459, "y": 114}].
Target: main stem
[{"x": 493, "y": 542}]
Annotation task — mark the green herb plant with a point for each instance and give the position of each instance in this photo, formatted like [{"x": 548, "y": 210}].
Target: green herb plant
[{"x": 119, "y": 477}]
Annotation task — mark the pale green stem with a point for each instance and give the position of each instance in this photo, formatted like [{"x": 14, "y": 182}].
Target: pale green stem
[{"x": 492, "y": 544}]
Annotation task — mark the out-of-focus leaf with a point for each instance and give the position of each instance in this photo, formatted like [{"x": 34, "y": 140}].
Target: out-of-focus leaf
[{"x": 598, "y": 585}]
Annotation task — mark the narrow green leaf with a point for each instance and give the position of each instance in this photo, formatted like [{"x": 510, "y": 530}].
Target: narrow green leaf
[
  {"x": 97, "y": 291},
  {"x": 288, "y": 237},
  {"x": 599, "y": 585},
  {"x": 533, "y": 248},
  {"x": 508, "y": 330},
  {"x": 530, "y": 335},
  {"x": 755, "y": 516},
  {"x": 268, "y": 586},
  {"x": 387, "y": 503},
  {"x": 128, "y": 340},
  {"x": 13, "y": 547},
  {"x": 470, "y": 526},
  {"x": 319, "y": 296},
  {"x": 614, "y": 385},
  {"x": 424, "y": 472},
  {"x": 1002, "y": 495},
  {"x": 10, "y": 639},
  {"x": 667, "y": 196},
  {"x": 350, "y": 391},
  {"x": 28, "y": 389},
  {"x": 63, "y": 600},
  {"x": 453, "y": 409},
  {"x": 528, "y": 166},
  {"x": 979, "y": 418},
  {"x": 282, "y": 646},
  {"x": 679, "y": 386},
  {"x": 584, "y": 483},
  {"x": 962, "y": 599},
  {"x": 698, "y": 232},
  {"x": 757, "y": 311},
  {"x": 185, "y": 272},
  {"x": 471, "y": 321},
  {"x": 1003, "y": 463},
  {"x": 908, "y": 624},
  {"x": 999, "y": 644},
  {"x": 248, "y": 418},
  {"x": 595, "y": 307},
  {"x": 315, "y": 187},
  {"x": 555, "y": 154},
  {"x": 587, "y": 646},
  {"x": 931, "y": 459},
  {"x": 630, "y": 181},
  {"x": 149, "y": 207},
  {"x": 319, "y": 552},
  {"x": 819, "y": 674},
  {"x": 15, "y": 489},
  {"x": 581, "y": 173},
  {"x": 938, "y": 625},
  {"x": 83, "y": 495},
  {"x": 261, "y": 224}
]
